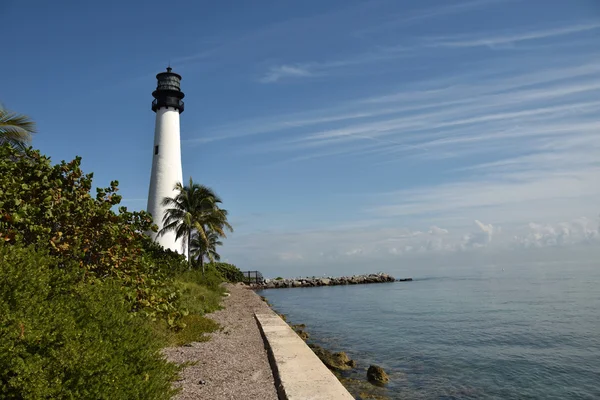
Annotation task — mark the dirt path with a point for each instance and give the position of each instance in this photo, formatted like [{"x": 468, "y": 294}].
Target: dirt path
[{"x": 234, "y": 363}]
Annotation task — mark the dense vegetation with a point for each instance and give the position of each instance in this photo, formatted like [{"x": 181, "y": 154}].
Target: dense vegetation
[
  {"x": 61, "y": 337},
  {"x": 86, "y": 298}
]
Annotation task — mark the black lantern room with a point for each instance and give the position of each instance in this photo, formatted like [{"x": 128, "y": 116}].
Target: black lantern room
[{"x": 168, "y": 93}]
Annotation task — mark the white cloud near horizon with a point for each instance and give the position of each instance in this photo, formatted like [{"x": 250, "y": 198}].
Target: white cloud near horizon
[{"x": 385, "y": 247}]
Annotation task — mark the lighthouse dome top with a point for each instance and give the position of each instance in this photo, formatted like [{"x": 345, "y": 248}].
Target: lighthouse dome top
[
  {"x": 168, "y": 91},
  {"x": 168, "y": 80}
]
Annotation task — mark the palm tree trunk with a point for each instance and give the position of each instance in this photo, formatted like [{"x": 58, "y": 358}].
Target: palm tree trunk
[
  {"x": 201, "y": 258},
  {"x": 189, "y": 257}
]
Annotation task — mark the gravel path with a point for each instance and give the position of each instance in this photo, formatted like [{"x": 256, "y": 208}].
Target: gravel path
[{"x": 233, "y": 364}]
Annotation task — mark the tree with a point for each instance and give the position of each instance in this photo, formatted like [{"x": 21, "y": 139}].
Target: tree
[
  {"x": 200, "y": 250},
  {"x": 194, "y": 209},
  {"x": 15, "y": 129}
]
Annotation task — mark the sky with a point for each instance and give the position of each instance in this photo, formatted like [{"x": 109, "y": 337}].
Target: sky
[{"x": 343, "y": 136}]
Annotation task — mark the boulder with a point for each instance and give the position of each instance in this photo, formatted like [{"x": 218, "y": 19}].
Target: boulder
[
  {"x": 335, "y": 361},
  {"x": 303, "y": 334},
  {"x": 376, "y": 374},
  {"x": 325, "y": 281}
]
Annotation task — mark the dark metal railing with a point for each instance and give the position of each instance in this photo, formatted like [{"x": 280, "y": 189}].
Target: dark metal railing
[
  {"x": 253, "y": 277},
  {"x": 168, "y": 102}
]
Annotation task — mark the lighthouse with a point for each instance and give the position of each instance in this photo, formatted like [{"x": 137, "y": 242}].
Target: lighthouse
[{"x": 166, "y": 153}]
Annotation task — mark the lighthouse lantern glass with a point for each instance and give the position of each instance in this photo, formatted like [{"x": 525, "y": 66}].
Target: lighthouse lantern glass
[{"x": 168, "y": 83}]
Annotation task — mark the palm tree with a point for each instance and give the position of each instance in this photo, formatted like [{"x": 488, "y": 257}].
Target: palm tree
[
  {"x": 15, "y": 129},
  {"x": 200, "y": 250},
  {"x": 195, "y": 208},
  {"x": 212, "y": 223}
]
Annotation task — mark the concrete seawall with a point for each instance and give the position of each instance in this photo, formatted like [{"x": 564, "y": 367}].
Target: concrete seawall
[
  {"x": 298, "y": 372},
  {"x": 327, "y": 281}
]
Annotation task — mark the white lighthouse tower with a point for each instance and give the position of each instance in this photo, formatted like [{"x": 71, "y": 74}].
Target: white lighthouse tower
[{"x": 166, "y": 154}]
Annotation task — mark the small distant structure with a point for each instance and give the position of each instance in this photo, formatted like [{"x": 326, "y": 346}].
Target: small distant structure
[{"x": 253, "y": 277}]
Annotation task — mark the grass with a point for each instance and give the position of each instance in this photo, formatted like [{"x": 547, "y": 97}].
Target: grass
[
  {"x": 197, "y": 329},
  {"x": 199, "y": 299},
  {"x": 200, "y": 295}
]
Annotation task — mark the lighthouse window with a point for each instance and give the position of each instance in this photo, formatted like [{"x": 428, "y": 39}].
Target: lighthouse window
[{"x": 155, "y": 150}]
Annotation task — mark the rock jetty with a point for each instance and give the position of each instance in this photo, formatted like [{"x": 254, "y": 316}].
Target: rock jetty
[{"x": 327, "y": 281}]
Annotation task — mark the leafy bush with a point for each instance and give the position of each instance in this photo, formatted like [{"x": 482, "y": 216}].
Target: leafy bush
[
  {"x": 197, "y": 298},
  {"x": 229, "y": 272},
  {"x": 61, "y": 337},
  {"x": 50, "y": 206},
  {"x": 199, "y": 295},
  {"x": 211, "y": 278}
]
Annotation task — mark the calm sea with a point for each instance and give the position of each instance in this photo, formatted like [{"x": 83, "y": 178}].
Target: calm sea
[{"x": 527, "y": 333}]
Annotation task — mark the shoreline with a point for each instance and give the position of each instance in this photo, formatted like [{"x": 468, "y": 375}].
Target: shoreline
[
  {"x": 235, "y": 362},
  {"x": 350, "y": 373}
]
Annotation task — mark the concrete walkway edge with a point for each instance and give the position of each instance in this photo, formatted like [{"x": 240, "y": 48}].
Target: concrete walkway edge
[{"x": 299, "y": 374}]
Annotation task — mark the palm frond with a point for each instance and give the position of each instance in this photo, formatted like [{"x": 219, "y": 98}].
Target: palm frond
[{"x": 15, "y": 129}]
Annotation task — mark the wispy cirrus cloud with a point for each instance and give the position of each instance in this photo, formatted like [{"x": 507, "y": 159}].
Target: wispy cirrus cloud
[
  {"x": 526, "y": 145},
  {"x": 280, "y": 72},
  {"x": 402, "y": 20},
  {"x": 487, "y": 153},
  {"x": 417, "y": 45},
  {"x": 509, "y": 38}
]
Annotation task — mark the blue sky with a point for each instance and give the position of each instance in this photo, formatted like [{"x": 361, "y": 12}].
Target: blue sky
[{"x": 342, "y": 135}]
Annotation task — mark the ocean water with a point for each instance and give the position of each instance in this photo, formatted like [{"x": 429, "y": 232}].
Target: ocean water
[{"x": 526, "y": 333}]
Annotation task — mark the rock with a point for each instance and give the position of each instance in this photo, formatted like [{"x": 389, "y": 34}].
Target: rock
[
  {"x": 296, "y": 284},
  {"x": 372, "y": 396},
  {"x": 376, "y": 374},
  {"x": 201, "y": 383},
  {"x": 325, "y": 281},
  {"x": 336, "y": 361},
  {"x": 299, "y": 329},
  {"x": 303, "y": 334}
]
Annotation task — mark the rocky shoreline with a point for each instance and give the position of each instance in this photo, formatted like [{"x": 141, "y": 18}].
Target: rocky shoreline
[
  {"x": 280, "y": 283},
  {"x": 362, "y": 382}
]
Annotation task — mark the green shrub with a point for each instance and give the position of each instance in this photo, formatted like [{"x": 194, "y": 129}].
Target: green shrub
[
  {"x": 211, "y": 278},
  {"x": 229, "y": 272},
  {"x": 63, "y": 338},
  {"x": 197, "y": 298},
  {"x": 197, "y": 329},
  {"x": 50, "y": 206},
  {"x": 199, "y": 295}
]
